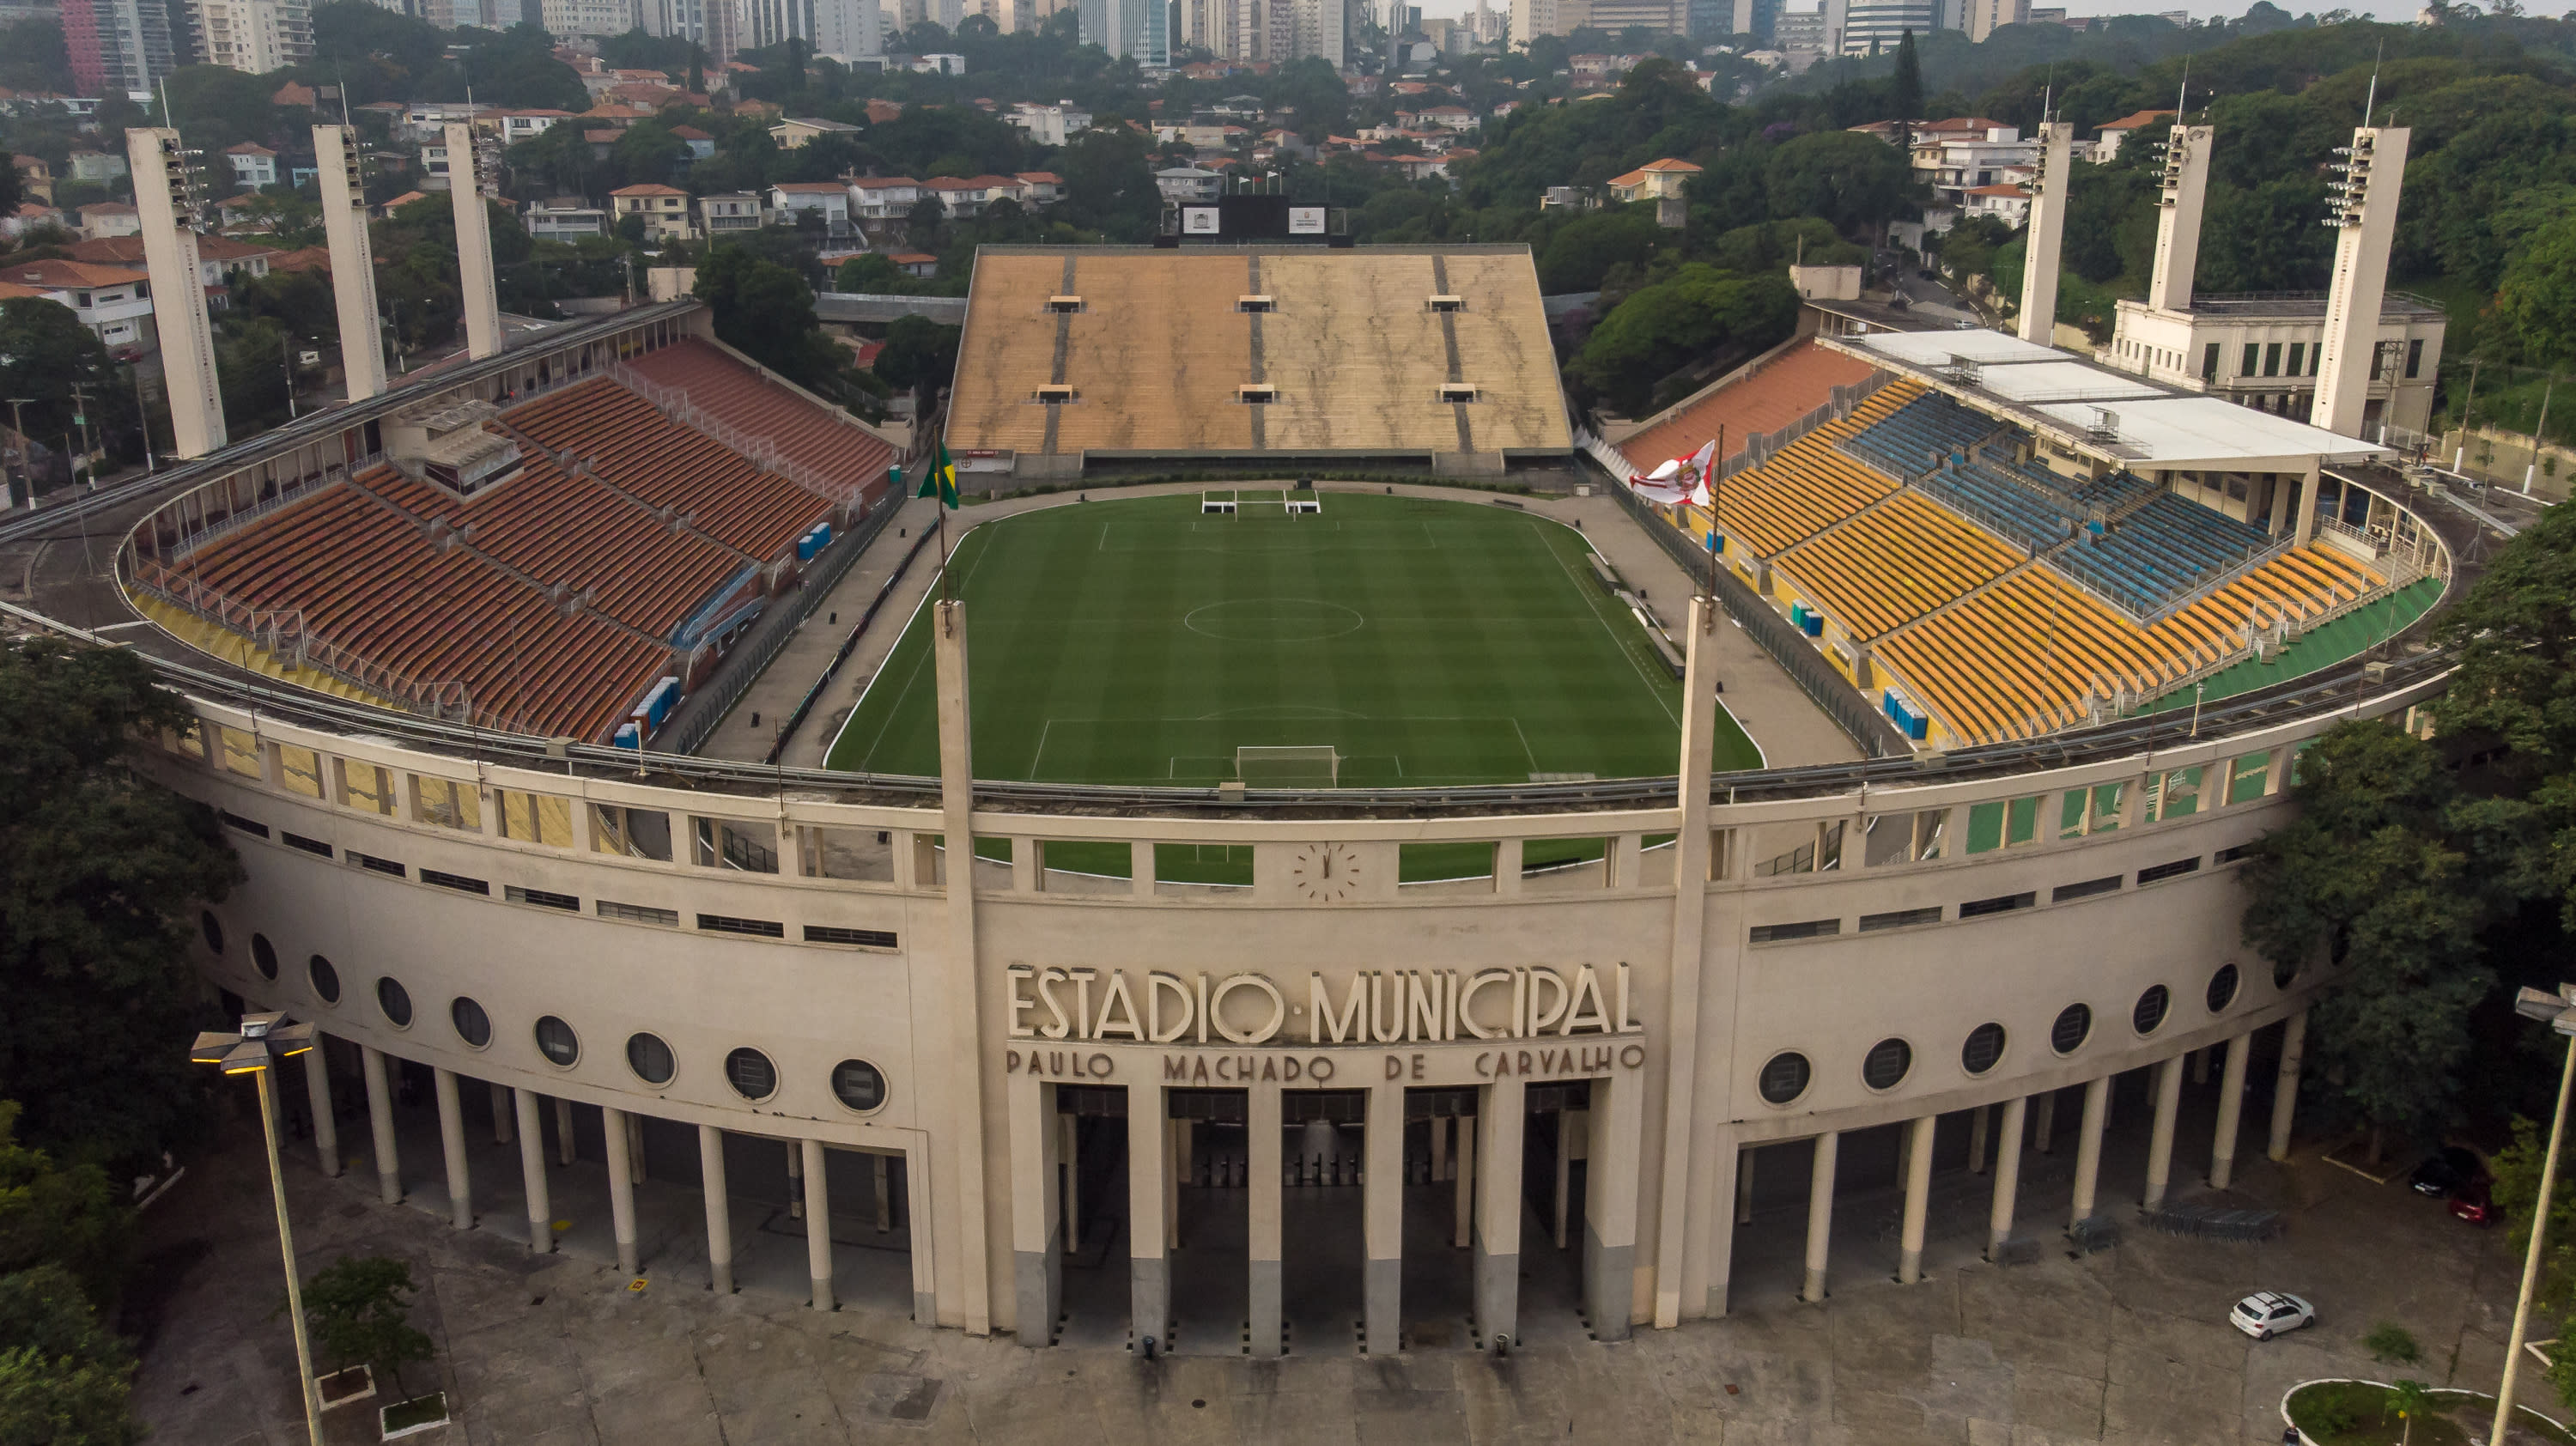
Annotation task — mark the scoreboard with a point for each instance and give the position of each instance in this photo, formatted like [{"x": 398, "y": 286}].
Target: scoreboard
[{"x": 1251, "y": 218}]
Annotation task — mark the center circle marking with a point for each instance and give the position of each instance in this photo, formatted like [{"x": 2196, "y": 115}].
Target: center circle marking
[{"x": 1274, "y": 620}]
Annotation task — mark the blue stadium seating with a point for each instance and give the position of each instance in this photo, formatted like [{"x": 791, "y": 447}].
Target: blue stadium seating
[
  {"x": 1903, "y": 444},
  {"x": 2162, "y": 550}
]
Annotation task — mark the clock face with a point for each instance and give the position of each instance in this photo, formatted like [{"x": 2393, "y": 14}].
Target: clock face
[{"x": 1324, "y": 873}]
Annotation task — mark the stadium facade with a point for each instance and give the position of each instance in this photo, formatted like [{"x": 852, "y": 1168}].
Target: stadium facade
[{"x": 1082, "y": 1098}]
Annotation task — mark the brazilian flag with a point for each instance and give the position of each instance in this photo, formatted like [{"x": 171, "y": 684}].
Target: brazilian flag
[{"x": 941, "y": 480}]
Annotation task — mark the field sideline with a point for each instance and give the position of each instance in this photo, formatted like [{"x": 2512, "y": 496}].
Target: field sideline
[{"x": 1427, "y": 642}]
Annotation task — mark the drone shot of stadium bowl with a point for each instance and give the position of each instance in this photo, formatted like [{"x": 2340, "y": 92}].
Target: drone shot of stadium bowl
[{"x": 1791, "y": 723}]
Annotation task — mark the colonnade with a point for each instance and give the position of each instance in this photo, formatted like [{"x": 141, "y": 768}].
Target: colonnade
[
  {"x": 516, "y": 1116},
  {"x": 2002, "y": 1127}
]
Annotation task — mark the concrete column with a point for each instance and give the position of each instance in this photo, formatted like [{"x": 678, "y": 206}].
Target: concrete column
[
  {"x": 1744, "y": 1185},
  {"x": 1499, "y": 1120},
  {"x": 2088, "y": 1146},
  {"x": 1465, "y": 1195},
  {"x": 2200, "y": 1066},
  {"x": 1614, "y": 1137},
  {"x": 635, "y": 1148},
  {"x": 2285, "y": 1086},
  {"x": 818, "y": 1224},
  {"x": 1439, "y": 1148},
  {"x": 451, "y": 1138},
  {"x": 2045, "y": 1122},
  {"x": 1264, "y": 1206},
  {"x": 380, "y": 1124},
  {"x": 2231, "y": 1108},
  {"x": 877, "y": 1167},
  {"x": 1149, "y": 1275},
  {"x": 1729, "y": 1163},
  {"x": 965, "y": 1142},
  {"x": 1569, "y": 1140},
  {"x": 1682, "y": 1021},
  {"x": 711, "y": 1170},
  {"x": 1918, "y": 1198},
  {"x": 2307, "y": 529},
  {"x": 532, "y": 1170},
  {"x": 1069, "y": 1155},
  {"x": 1999, "y": 1220},
  {"x": 1979, "y": 1122},
  {"x": 1820, "y": 1214},
  {"x": 2160, "y": 1139},
  {"x": 317, "y": 1090},
  {"x": 501, "y": 1108},
  {"x": 565, "y": 1155},
  {"x": 621, "y": 1191},
  {"x": 1382, "y": 1219},
  {"x": 1031, "y": 1104},
  {"x": 795, "y": 1179},
  {"x": 1177, "y": 1170}
]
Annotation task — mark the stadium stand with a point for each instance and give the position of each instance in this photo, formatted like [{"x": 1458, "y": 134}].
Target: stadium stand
[
  {"x": 1894, "y": 563},
  {"x": 1769, "y": 397},
  {"x": 1358, "y": 356},
  {"x": 2161, "y": 550},
  {"x": 637, "y": 450},
  {"x": 1809, "y": 486},
  {"x": 827, "y": 442}
]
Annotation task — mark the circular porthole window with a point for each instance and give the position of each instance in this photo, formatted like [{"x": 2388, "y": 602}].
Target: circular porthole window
[
  {"x": 859, "y": 1085},
  {"x": 326, "y": 980},
  {"x": 1886, "y": 1064},
  {"x": 2074, "y": 1023},
  {"x": 650, "y": 1058},
  {"x": 1784, "y": 1077},
  {"x": 263, "y": 956},
  {"x": 1985, "y": 1046},
  {"x": 395, "y": 1001},
  {"x": 472, "y": 1024},
  {"x": 2149, "y": 1015},
  {"x": 214, "y": 929},
  {"x": 557, "y": 1042},
  {"x": 2283, "y": 972},
  {"x": 751, "y": 1074},
  {"x": 2222, "y": 988}
]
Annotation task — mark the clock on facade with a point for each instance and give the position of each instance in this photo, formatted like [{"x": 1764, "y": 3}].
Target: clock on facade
[{"x": 1325, "y": 872}]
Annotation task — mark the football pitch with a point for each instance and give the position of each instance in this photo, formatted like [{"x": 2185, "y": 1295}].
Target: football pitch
[{"x": 1424, "y": 643}]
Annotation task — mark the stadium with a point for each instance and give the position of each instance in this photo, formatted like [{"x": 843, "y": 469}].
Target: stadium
[{"x": 1521, "y": 915}]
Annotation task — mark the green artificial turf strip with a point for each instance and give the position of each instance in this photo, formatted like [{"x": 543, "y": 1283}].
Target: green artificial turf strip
[
  {"x": 1429, "y": 642},
  {"x": 2362, "y": 628}
]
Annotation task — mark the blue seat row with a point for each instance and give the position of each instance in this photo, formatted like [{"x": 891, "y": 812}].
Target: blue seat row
[
  {"x": 1903, "y": 443},
  {"x": 2004, "y": 507},
  {"x": 2164, "y": 549}
]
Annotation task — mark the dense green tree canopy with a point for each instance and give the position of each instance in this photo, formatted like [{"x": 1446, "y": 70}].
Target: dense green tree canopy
[
  {"x": 1701, "y": 314},
  {"x": 766, "y": 311}
]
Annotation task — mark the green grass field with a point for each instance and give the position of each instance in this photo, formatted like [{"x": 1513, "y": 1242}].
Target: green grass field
[{"x": 1427, "y": 642}]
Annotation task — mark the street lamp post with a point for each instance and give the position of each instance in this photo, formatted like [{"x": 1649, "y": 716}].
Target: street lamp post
[
  {"x": 2559, "y": 1010},
  {"x": 264, "y": 1040}
]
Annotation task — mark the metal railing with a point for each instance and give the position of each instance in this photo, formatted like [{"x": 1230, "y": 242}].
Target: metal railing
[{"x": 761, "y": 451}]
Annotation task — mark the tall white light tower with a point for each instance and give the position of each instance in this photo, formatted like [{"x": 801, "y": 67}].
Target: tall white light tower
[
  {"x": 2364, "y": 215},
  {"x": 2186, "y": 186},
  {"x": 166, "y": 201},
  {"x": 353, "y": 262},
  {"x": 466, "y": 178},
  {"x": 2047, "y": 231}
]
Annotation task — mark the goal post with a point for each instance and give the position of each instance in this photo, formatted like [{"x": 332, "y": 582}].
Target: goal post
[
  {"x": 1299, "y": 765},
  {"x": 1217, "y": 500}
]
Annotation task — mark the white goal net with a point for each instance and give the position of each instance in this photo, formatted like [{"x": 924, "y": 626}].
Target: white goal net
[{"x": 1305, "y": 765}]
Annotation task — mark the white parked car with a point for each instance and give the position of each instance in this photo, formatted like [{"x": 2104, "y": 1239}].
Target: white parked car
[{"x": 2267, "y": 1313}]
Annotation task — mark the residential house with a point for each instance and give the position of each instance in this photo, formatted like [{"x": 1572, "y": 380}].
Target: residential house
[
  {"x": 2010, "y": 204},
  {"x": 254, "y": 165},
  {"x": 398, "y": 202},
  {"x": 1653, "y": 181},
  {"x": 1049, "y": 125},
  {"x": 35, "y": 178},
  {"x": 114, "y": 302},
  {"x": 524, "y": 125},
  {"x": 1189, "y": 183},
  {"x": 295, "y": 93},
  {"x": 665, "y": 210},
  {"x": 1044, "y": 188},
  {"x": 109, "y": 218},
  {"x": 881, "y": 111},
  {"x": 884, "y": 198},
  {"x": 99, "y": 167},
  {"x": 564, "y": 218},
  {"x": 1448, "y": 117},
  {"x": 915, "y": 263},
  {"x": 29, "y": 216},
  {"x": 1954, "y": 162},
  {"x": 794, "y": 134},
  {"x": 968, "y": 197},
  {"x": 2115, "y": 134},
  {"x": 939, "y": 64},
  {"x": 700, "y": 144},
  {"x": 792, "y": 200},
  {"x": 218, "y": 259}
]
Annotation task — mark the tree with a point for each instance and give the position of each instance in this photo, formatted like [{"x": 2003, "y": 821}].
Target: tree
[
  {"x": 2513, "y": 702},
  {"x": 2409, "y": 1399},
  {"x": 921, "y": 228},
  {"x": 918, "y": 352},
  {"x": 1905, "y": 88},
  {"x": 360, "y": 1311},
  {"x": 1583, "y": 250},
  {"x": 101, "y": 872},
  {"x": 1108, "y": 184},
  {"x": 2537, "y": 300},
  {"x": 1701, "y": 313},
  {"x": 64, "y": 1402},
  {"x": 1853, "y": 180},
  {"x": 45, "y": 351},
  {"x": 2369, "y": 877},
  {"x": 766, "y": 311}
]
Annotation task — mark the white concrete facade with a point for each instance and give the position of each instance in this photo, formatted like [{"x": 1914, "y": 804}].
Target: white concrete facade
[
  {"x": 168, "y": 209},
  {"x": 336, "y": 153}
]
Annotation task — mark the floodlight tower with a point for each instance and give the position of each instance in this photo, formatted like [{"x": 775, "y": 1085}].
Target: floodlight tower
[
  {"x": 2186, "y": 187},
  {"x": 2364, "y": 215},
  {"x": 353, "y": 263},
  {"x": 2047, "y": 231},
  {"x": 166, "y": 202},
  {"x": 467, "y": 176}
]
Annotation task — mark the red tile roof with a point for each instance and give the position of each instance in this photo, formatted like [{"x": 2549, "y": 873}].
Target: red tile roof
[{"x": 1796, "y": 382}]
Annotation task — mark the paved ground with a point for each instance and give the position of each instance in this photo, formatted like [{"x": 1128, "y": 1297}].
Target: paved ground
[
  {"x": 1778, "y": 716},
  {"x": 2125, "y": 1346}
]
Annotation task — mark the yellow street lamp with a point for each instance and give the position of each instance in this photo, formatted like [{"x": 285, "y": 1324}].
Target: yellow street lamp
[{"x": 263, "y": 1040}]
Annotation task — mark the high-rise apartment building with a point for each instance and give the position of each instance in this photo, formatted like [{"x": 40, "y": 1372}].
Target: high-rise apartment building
[
  {"x": 1874, "y": 26},
  {"x": 848, "y": 30},
  {"x": 1130, "y": 29},
  {"x": 763, "y": 23},
  {"x": 1985, "y": 17},
  {"x": 119, "y": 47},
  {"x": 566, "y": 18},
  {"x": 256, "y": 36}
]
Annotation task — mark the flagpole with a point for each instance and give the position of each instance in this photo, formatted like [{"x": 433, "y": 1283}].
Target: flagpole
[
  {"x": 939, "y": 486},
  {"x": 1716, "y": 470}
]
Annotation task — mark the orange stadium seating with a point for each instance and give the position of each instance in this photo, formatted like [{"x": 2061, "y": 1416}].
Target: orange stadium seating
[
  {"x": 637, "y": 450},
  {"x": 1781, "y": 391},
  {"x": 743, "y": 398}
]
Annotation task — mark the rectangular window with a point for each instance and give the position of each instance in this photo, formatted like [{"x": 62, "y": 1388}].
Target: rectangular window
[
  {"x": 2237, "y": 854},
  {"x": 2160, "y": 872},
  {"x": 861, "y": 938},
  {"x": 2209, "y": 362},
  {"x": 248, "y": 826},
  {"x": 1900, "y": 919},
  {"x": 2253, "y": 359},
  {"x": 2085, "y": 890},
  {"x": 2172, "y": 795},
  {"x": 366, "y": 788},
  {"x": 541, "y": 898},
  {"x": 2093, "y": 810},
  {"x": 638, "y": 914},
  {"x": 2414, "y": 357},
  {"x": 2298, "y": 353},
  {"x": 241, "y": 751},
  {"x": 309, "y": 845},
  {"x": 370, "y": 861},
  {"x": 300, "y": 769},
  {"x": 1810, "y": 929},
  {"x": 2316, "y": 357},
  {"x": 458, "y": 882},
  {"x": 2272, "y": 360},
  {"x": 727, "y": 924},
  {"x": 2005, "y": 904},
  {"x": 2246, "y": 777},
  {"x": 446, "y": 803}
]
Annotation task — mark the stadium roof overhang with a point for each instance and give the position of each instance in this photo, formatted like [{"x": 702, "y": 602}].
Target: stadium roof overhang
[{"x": 2112, "y": 417}]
